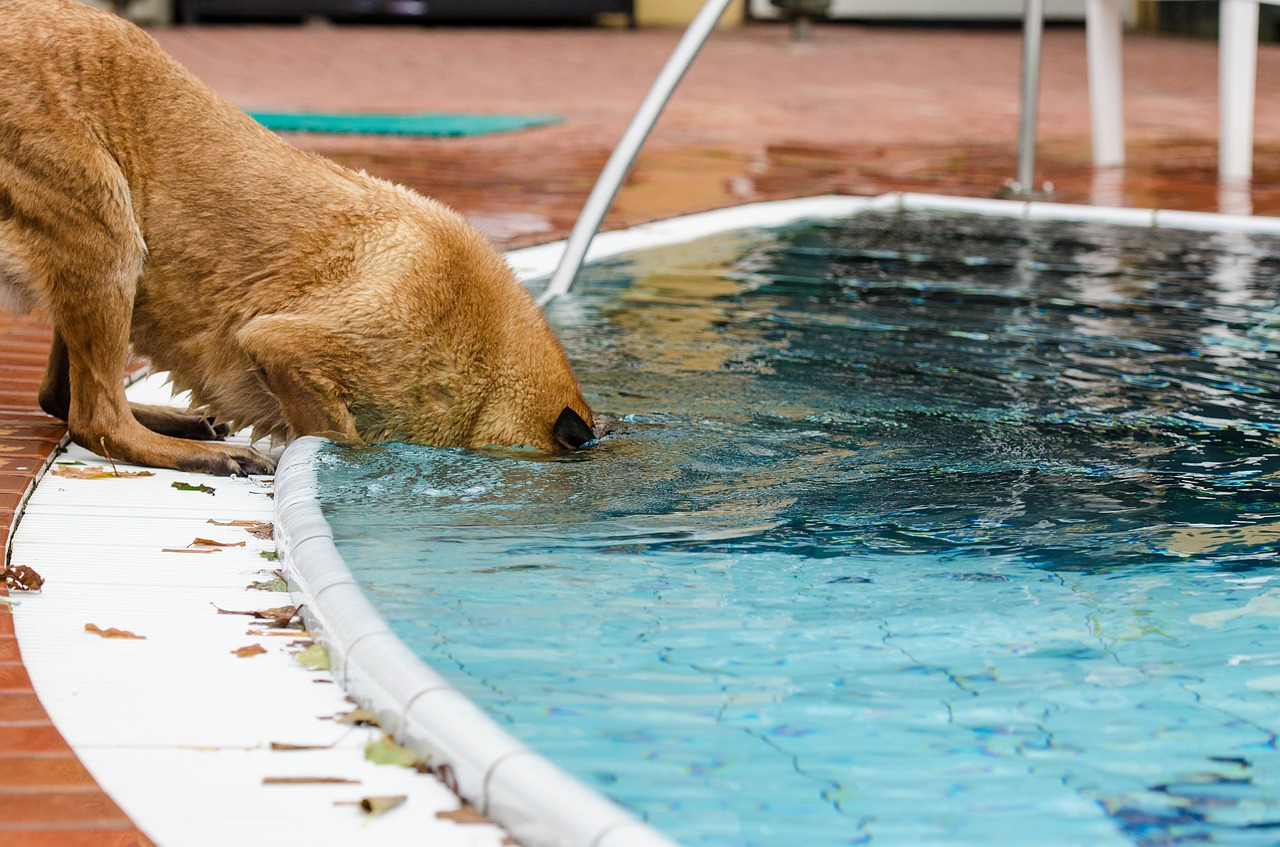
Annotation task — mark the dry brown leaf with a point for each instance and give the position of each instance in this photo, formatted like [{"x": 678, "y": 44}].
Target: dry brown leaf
[
  {"x": 277, "y": 617},
  {"x": 282, "y": 746},
  {"x": 463, "y": 814},
  {"x": 22, "y": 578},
  {"x": 249, "y": 650},
  {"x": 209, "y": 542},
  {"x": 191, "y": 550},
  {"x": 274, "y": 613},
  {"x": 358, "y": 717},
  {"x": 112, "y": 632},
  {"x": 308, "y": 780},
  {"x": 94, "y": 472},
  {"x": 258, "y": 529},
  {"x": 374, "y": 806}
]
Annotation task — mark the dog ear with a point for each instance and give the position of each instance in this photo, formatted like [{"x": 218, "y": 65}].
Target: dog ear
[
  {"x": 571, "y": 431},
  {"x": 298, "y": 361}
]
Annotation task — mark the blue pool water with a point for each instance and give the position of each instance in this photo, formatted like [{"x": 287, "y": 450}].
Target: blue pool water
[{"x": 913, "y": 529}]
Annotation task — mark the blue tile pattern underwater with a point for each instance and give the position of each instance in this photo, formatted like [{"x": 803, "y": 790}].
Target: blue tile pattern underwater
[{"x": 912, "y": 529}]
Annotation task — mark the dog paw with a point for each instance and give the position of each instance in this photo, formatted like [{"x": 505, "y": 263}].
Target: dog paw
[
  {"x": 257, "y": 466},
  {"x": 230, "y": 462},
  {"x": 175, "y": 424}
]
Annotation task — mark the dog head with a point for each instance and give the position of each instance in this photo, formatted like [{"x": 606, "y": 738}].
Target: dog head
[{"x": 432, "y": 341}]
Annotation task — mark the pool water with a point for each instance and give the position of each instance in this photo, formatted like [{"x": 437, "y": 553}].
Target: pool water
[{"x": 912, "y": 529}]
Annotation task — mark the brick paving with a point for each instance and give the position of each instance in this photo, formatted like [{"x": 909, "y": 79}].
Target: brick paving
[{"x": 861, "y": 110}]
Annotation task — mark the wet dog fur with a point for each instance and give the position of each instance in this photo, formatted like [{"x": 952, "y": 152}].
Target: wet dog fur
[{"x": 286, "y": 293}]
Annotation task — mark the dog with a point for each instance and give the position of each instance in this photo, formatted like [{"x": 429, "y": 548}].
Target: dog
[{"x": 286, "y": 293}]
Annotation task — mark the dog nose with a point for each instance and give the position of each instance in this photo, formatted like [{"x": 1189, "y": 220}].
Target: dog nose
[{"x": 571, "y": 431}]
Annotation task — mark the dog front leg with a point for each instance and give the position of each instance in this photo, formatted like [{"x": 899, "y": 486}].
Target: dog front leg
[
  {"x": 296, "y": 361},
  {"x": 55, "y": 388},
  {"x": 55, "y": 399},
  {"x": 93, "y": 325}
]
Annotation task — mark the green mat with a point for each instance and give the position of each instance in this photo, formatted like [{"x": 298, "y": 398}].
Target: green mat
[{"x": 382, "y": 124}]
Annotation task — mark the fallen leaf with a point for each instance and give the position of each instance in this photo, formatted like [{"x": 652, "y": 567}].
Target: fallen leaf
[
  {"x": 22, "y": 578},
  {"x": 374, "y": 806},
  {"x": 249, "y": 650},
  {"x": 269, "y": 555},
  {"x": 258, "y": 529},
  {"x": 112, "y": 632},
  {"x": 275, "y": 584},
  {"x": 358, "y": 717},
  {"x": 308, "y": 780},
  {"x": 275, "y": 613},
  {"x": 386, "y": 752},
  {"x": 81, "y": 464},
  {"x": 280, "y": 746},
  {"x": 314, "y": 657},
  {"x": 209, "y": 542},
  {"x": 463, "y": 814},
  {"x": 191, "y": 550},
  {"x": 95, "y": 472},
  {"x": 187, "y": 486}
]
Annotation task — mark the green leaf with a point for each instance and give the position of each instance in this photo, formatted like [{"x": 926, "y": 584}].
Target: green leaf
[
  {"x": 275, "y": 584},
  {"x": 269, "y": 555},
  {"x": 314, "y": 657},
  {"x": 387, "y": 752},
  {"x": 186, "y": 486}
]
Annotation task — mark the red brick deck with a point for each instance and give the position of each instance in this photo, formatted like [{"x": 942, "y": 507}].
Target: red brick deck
[
  {"x": 863, "y": 110},
  {"x": 47, "y": 796}
]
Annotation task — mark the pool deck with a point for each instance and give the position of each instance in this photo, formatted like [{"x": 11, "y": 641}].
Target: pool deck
[{"x": 862, "y": 110}]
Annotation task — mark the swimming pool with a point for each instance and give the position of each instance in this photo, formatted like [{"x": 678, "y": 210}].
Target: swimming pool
[{"x": 914, "y": 528}]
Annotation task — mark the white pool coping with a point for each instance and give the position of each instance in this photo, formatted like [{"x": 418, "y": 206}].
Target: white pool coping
[{"x": 178, "y": 731}]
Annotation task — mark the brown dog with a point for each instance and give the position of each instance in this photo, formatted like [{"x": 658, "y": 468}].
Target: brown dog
[{"x": 285, "y": 292}]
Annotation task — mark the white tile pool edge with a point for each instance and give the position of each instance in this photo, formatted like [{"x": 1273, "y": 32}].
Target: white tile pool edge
[
  {"x": 533, "y": 262},
  {"x": 541, "y": 805},
  {"x": 536, "y": 801}
]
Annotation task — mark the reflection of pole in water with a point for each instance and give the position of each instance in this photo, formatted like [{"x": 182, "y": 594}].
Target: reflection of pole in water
[
  {"x": 1107, "y": 187},
  {"x": 1234, "y": 197}
]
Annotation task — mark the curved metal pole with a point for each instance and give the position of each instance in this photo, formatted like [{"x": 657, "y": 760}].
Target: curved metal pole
[{"x": 624, "y": 155}]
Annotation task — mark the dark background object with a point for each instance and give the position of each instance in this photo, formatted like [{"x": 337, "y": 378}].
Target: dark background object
[
  {"x": 426, "y": 11},
  {"x": 1200, "y": 18}
]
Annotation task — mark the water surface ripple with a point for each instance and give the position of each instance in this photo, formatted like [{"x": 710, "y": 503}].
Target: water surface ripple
[{"x": 912, "y": 529}]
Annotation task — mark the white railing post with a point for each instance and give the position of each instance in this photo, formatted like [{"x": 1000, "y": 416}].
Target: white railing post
[
  {"x": 624, "y": 155},
  {"x": 1237, "y": 69},
  {"x": 1104, "y": 29},
  {"x": 1032, "y": 32}
]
